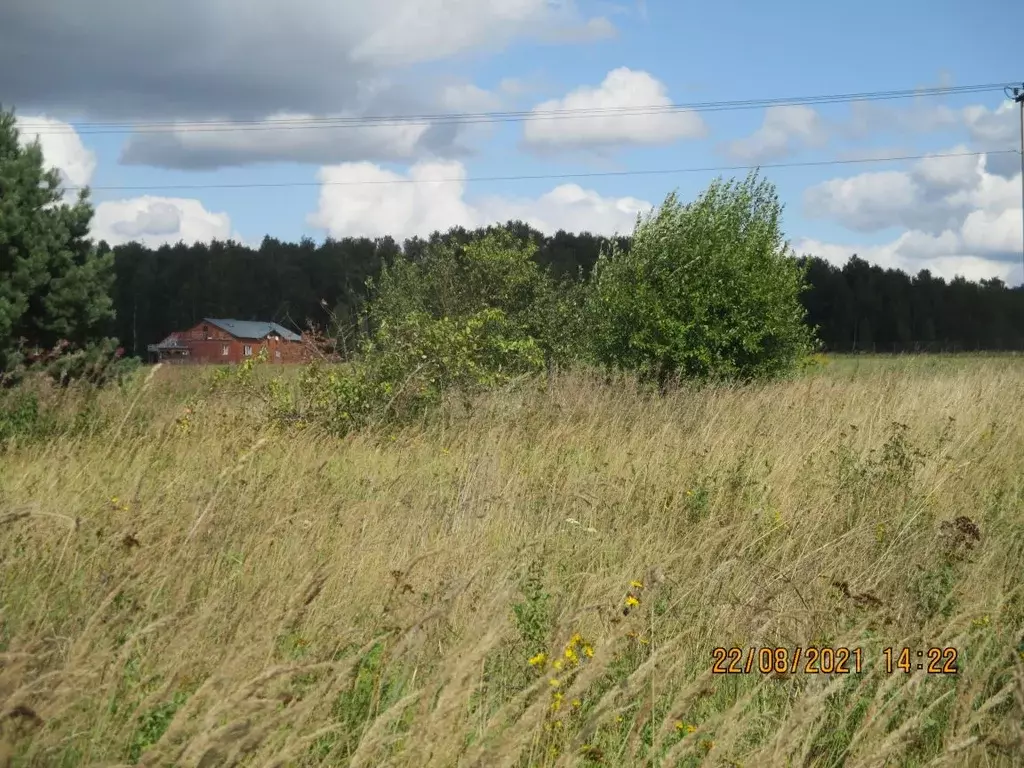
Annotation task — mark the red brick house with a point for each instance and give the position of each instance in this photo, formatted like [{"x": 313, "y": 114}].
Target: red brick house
[{"x": 229, "y": 341}]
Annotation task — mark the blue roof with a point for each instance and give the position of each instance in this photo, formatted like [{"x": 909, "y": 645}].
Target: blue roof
[{"x": 252, "y": 329}]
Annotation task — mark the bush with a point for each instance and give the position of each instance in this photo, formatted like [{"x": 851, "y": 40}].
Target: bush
[
  {"x": 408, "y": 367},
  {"x": 20, "y": 415},
  {"x": 96, "y": 364},
  {"x": 708, "y": 290},
  {"x": 456, "y": 282}
]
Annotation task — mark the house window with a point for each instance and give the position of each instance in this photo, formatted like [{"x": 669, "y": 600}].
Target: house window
[
  {"x": 225, "y": 350},
  {"x": 277, "y": 353},
  {"x": 247, "y": 350}
]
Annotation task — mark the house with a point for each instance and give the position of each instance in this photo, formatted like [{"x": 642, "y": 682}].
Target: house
[{"x": 229, "y": 341}]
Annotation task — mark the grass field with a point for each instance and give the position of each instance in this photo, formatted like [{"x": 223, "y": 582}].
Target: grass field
[{"x": 539, "y": 579}]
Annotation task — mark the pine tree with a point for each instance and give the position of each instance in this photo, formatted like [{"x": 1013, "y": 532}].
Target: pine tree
[{"x": 55, "y": 287}]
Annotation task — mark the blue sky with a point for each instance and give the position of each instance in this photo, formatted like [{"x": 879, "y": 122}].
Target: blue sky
[{"x": 198, "y": 60}]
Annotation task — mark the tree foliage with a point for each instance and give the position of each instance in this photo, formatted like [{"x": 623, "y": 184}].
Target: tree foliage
[
  {"x": 703, "y": 289},
  {"x": 496, "y": 271},
  {"x": 55, "y": 286},
  {"x": 408, "y": 366},
  {"x": 461, "y": 317},
  {"x": 857, "y": 306},
  {"x": 708, "y": 290}
]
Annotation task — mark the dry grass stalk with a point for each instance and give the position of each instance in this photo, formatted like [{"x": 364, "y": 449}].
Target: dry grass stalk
[{"x": 226, "y": 595}]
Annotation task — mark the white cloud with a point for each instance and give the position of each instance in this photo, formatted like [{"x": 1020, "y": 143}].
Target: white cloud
[
  {"x": 569, "y": 207},
  {"x": 958, "y": 217},
  {"x": 987, "y": 129},
  {"x": 62, "y": 148},
  {"x": 466, "y": 98},
  {"x": 513, "y": 86},
  {"x": 310, "y": 55},
  {"x": 621, "y": 88},
  {"x": 995, "y": 128},
  {"x": 596, "y": 28},
  {"x": 301, "y": 138},
  {"x": 322, "y": 139},
  {"x": 149, "y": 220},
  {"x": 365, "y": 200},
  {"x": 785, "y": 130},
  {"x": 902, "y": 254},
  {"x": 920, "y": 115},
  {"x": 410, "y": 31},
  {"x": 997, "y": 232},
  {"x": 935, "y": 194},
  {"x": 355, "y": 202},
  {"x": 469, "y": 98},
  {"x": 155, "y": 221},
  {"x": 194, "y": 60},
  {"x": 865, "y": 203}
]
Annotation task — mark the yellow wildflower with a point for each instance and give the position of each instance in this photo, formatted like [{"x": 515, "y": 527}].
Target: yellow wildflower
[
  {"x": 556, "y": 701},
  {"x": 570, "y": 655},
  {"x": 539, "y": 659},
  {"x": 588, "y": 651},
  {"x": 557, "y": 664},
  {"x": 632, "y": 601},
  {"x": 636, "y": 584},
  {"x": 554, "y": 682},
  {"x": 577, "y": 703}
]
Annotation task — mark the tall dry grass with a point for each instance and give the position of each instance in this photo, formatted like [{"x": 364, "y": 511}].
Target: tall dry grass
[{"x": 182, "y": 586}]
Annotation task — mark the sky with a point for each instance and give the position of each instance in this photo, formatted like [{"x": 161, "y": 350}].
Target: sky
[{"x": 203, "y": 119}]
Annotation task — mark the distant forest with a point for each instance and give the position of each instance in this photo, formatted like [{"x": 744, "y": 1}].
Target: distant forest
[{"x": 858, "y": 307}]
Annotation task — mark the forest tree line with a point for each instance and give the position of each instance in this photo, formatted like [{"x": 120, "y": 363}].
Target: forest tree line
[{"x": 856, "y": 307}]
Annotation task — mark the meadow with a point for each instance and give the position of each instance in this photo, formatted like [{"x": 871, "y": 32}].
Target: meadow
[{"x": 536, "y": 577}]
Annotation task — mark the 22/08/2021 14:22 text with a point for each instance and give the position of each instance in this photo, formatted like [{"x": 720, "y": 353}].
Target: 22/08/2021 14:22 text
[{"x": 828, "y": 661}]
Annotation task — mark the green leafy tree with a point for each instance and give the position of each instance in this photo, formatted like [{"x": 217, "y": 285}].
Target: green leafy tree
[
  {"x": 496, "y": 270},
  {"x": 708, "y": 290},
  {"x": 55, "y": 286}
]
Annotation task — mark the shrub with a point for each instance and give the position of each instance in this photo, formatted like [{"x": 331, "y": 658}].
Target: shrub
[
  {"x": 99, "y": 363},
  {"x": 19, "y": 415},
  {"x": 454, "y": 282},
  {"x": 408, "y": 366},
  {"x": 708, "y": 290}
]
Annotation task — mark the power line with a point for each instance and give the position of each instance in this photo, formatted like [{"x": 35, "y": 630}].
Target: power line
[
  {"x": 470, "y": 118},
  {"x": 547, "y": 176}
]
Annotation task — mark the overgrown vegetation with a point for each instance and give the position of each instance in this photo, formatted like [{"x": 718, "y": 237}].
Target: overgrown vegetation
[
  {"x": 708, "y": 290},
  {"x": 509, "y": 560},
  {"x": 539, "y": 580},
  {"x": 55, "y": 285}
]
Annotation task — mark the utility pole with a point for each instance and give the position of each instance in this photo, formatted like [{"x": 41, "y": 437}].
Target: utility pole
[{"x": 1018, "y": 96}]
